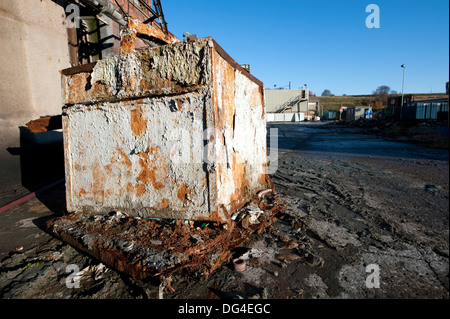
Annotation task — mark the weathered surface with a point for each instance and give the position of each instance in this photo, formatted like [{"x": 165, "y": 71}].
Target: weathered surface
[
  {"x": 144, "y": 248},
  {"x": 172, "y": 132},
  {"x": 137, "y": 29}
]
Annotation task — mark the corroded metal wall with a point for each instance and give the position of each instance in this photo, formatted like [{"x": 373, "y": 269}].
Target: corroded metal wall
[{"x": 171, "y": 132}]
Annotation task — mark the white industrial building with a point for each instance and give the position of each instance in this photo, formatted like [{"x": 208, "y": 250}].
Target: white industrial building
[{"x": 289, "y": 105}]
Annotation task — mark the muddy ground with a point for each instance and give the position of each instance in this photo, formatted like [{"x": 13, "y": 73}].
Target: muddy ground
[{"x": 356, "y": 204}]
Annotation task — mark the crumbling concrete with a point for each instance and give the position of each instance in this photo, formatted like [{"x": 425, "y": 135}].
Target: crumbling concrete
[
  {"x": 146, "y": 248},
  {"x": 173, "y": 132}
]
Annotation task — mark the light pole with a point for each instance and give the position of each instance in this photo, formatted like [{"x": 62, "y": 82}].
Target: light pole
[{"x": 403, "y": 86}]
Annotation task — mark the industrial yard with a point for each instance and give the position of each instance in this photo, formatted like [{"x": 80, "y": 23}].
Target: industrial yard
[
  {"x": 142, "y": 164},
  {"x": 352, "y": 199}
]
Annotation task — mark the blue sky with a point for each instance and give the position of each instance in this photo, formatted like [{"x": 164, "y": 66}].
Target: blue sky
[{"x": 326, "y": 44}]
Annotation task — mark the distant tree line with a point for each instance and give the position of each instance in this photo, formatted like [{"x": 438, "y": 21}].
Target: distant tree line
[{"x": 381, "y": 95}]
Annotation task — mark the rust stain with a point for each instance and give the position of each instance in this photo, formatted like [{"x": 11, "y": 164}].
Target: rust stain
[
  {"x": 140, "y": 190},
  {"x": 154, "y": 170},
  {"x": 82, "y": 193},
  {"x": 45, "y": 124},
  {"x": 240, "y": 195},
  {"x": 238, "y": 172},
  {"x": 130, "y": 188},
  {"x": 146, "y": 85},
  {"x": 138, "y": 123},
  {"x": 125, "y": 160},
  {"x": 164, "y": 203},
  {"x": 148, "y": 30},
  {"x": 257, "y": 99},
  {"x": 179, "y": 104},
  {"x": 98, "y": 182},
  {"x": 127, "y": 44},
  {"x": 183, "y": 193},
  {"x": 144, "y": 175},
  {"x": 136, "y": 29},
  {"x": 223, "y": 116},
  {"x": 76, "y": 91},
  {"x": 98, "y": 90}
]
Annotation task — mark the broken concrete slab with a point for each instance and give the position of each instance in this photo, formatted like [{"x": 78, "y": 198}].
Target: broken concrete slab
[
  {"x": 146, "y": 248},
  {"x": 173, "y": 132}
]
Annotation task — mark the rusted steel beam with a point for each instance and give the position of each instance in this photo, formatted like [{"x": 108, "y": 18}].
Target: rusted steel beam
[
  {"x": 79, "y": 69},
  {"x": 136, "y": 29}
]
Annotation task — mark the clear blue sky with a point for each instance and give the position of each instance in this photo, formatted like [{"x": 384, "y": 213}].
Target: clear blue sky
[{"x": 325, "y": 43}]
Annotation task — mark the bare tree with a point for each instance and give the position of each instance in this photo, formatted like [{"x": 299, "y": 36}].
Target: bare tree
[
  {"x": 381, "y": 94},
  {"x": 382, "y": 90},
  {"x": 326, "y": 92}
]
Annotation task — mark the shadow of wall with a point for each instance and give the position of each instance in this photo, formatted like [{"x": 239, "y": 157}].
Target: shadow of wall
[{"x": 41, "y": 158}]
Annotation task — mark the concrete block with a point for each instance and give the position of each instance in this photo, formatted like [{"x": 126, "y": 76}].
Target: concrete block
[
  {"x": 288, "y": 117},
  {"x": 299, "y": 117},
  {"x": 177, "y": 132},
  {"x": 270, "y": 117},
  {"x": 279, "y": 117}
]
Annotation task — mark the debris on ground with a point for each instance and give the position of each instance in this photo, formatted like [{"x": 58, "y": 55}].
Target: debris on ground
[{"x": 145, "y": 248}]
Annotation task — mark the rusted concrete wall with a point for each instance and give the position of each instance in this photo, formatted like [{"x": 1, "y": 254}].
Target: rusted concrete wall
[{"x": 172, "y": 132}]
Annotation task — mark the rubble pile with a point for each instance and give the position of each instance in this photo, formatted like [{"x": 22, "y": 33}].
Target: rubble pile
[{"x": 150, "y": 247}]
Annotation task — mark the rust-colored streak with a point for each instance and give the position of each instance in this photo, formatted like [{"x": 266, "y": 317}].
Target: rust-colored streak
[
  {"x": 124, "y": 158},
  {"x": 140, "y": 190},
  {"x": 98, "y": 182},
  {"x": 138, "y": 122},
  {"x": 183, "y": 193},
  {"x": 144, "y": 175},
  {"x": 223, "y": 115},
  {"x": 130, "y": 188},
  {"x": 238, "y": 172},
  {"x": 149, "y": 31},
  {"x": 82, "y": 193},
  {"x": 137, "y": 29},
  {"x": 154, "y": 169},
  {"x": 179, "y": 104},
  {"x": 77, "y": 89},
  {"x": 240, "y": 195},
  {"x": 165, "y": 203},
  {"x": 127, "y": 44}
]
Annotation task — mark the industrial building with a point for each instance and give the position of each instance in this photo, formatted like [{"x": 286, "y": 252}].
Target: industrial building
[
  {"x": 416, "y": 106},
  {"x": 427, "y": 110},
  {"x": 294, "y": 104}
]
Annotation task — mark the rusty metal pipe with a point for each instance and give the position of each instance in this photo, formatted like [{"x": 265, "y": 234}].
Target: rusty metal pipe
[{"x": 107, "y": 9}]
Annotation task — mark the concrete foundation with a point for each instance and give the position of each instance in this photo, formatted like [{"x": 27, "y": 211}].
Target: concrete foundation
[{"x": 173, "y": 132}]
